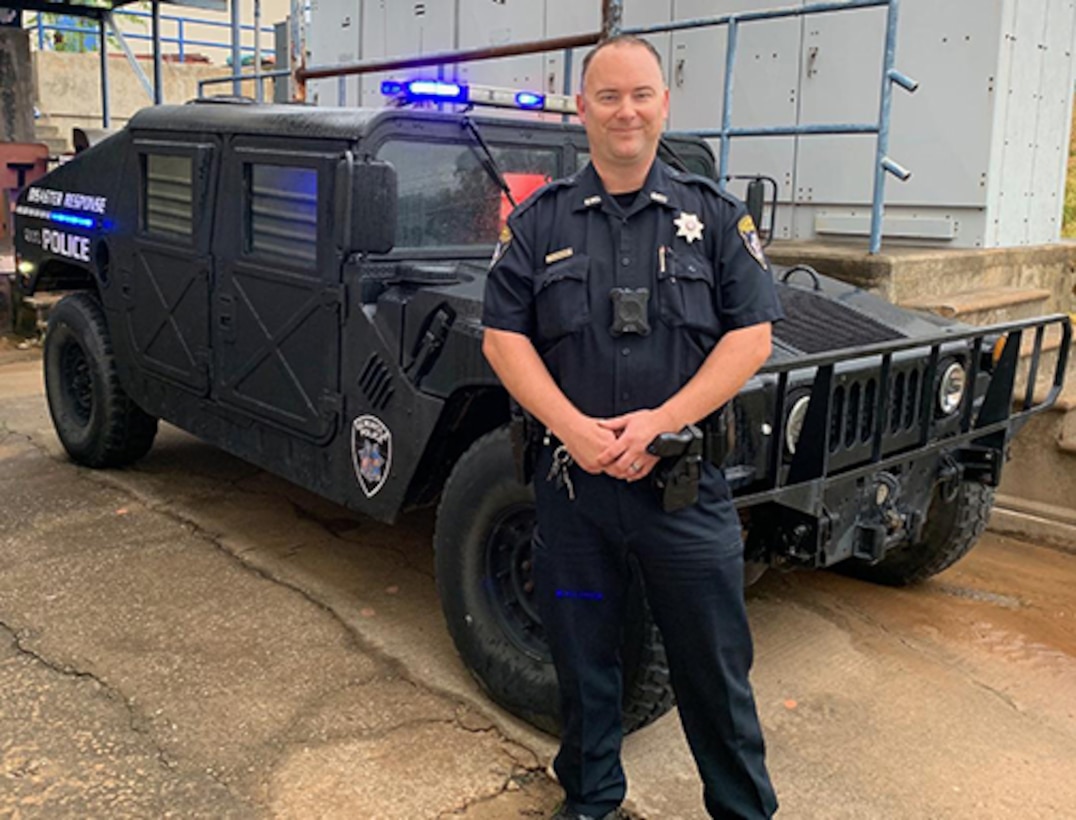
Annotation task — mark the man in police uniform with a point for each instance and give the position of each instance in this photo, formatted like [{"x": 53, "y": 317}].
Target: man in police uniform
[{"x": 627, "y": 301}]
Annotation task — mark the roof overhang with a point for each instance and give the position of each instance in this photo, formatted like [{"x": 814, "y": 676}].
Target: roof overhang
[{"x": 98, "y": 8}]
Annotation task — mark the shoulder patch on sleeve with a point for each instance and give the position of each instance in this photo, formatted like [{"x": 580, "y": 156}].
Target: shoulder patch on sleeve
[
  {"x": 503, "y": 241},
  {"x": 749, "y": 234}
]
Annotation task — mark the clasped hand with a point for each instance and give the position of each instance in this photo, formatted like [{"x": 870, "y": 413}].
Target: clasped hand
[{"x": 617, "y": 446}]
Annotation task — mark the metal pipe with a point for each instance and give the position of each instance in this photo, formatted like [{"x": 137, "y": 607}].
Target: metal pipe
[
  {"x": 748, "y": 16},
  {"x": 726, "y": 106},
  {"x": 106, "y": 119},
  {"x": 237, "y": 88},
  {"x": 258, "y": 86},
  {"x": 885, "y": 106},
  {"x": 785, "y": 130},
  {"x": 612, "y": 18},
  {"x": 158, "y": 79},
  {"x": 277, "y": 72},
  {"x": 182, "y": 45},
  {"x": 132, "y": 61},
  {"x": 447, "y": 57},
  {"x": 567, "y": 84}
]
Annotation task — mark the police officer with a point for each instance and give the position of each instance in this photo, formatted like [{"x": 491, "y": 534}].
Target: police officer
[{"x": 624, "y": 302}]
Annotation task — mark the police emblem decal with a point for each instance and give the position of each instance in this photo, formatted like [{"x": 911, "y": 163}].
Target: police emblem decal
[
  {"x": 371, "y": 453},
  {"x": 503, "y": 241},
  {"x": 688, "y": 226},
  {"x": 749, "y": 235}
]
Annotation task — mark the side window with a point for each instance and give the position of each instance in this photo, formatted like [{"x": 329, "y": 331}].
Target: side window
[
  {"x": 446, "y": 197},
  {"x": 281, "y": 211},
  {"x": 166, "y": 195}
]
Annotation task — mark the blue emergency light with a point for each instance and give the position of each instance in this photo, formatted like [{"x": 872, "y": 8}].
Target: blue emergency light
[
  {"x": 530, "y": 100},
  {"x": 424, "y": 90},
  {"x": 419, "y": 90},
  {"x": 70, "y": 219}
]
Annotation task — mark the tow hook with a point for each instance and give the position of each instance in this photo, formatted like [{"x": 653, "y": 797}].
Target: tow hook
[
  {"x": 876, "y": 527},
  {"x": 949, "y": 477}
]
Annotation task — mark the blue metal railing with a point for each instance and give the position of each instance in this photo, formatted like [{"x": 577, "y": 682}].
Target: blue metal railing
[
  {"x": 883, "y": 163},
  {"x": 179, "y": 38}
]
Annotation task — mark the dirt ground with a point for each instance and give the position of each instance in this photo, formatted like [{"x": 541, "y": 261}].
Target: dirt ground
[{"x": 193, "y": 637}]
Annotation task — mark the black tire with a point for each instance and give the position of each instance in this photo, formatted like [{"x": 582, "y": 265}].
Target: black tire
[
  {"x": 955, "y": 521},
  {"x": 483, "y": 547},
  {"x": 97, "y": 423}
]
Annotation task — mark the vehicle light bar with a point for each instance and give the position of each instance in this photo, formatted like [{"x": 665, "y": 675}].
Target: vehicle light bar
[
  {"x": 410, "y": 91},
  {"x": 56, "y": 216}
]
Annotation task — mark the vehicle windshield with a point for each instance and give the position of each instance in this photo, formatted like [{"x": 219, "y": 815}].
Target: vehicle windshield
[{"x": 447, "y": 199}]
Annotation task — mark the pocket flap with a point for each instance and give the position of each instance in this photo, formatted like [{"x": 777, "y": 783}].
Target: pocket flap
[
  {"x": 575, "y": 267},
  {"x": 694, "y": 268}
]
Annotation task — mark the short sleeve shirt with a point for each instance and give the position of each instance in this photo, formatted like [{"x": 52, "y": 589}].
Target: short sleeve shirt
[{"x": 690, "y": 246}]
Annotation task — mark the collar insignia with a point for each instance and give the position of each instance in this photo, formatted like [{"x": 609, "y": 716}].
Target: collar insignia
[
  {"x": 688, "y": 226},
  {"x": 657, "y": 197},
  {"x": 592, "y": 200}
]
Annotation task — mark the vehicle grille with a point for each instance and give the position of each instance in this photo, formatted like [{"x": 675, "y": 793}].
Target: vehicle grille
[
  {"x": 854, "y": 413},
  {"x": 816, "y": 324},
  {"x": 375, "y": 381}
]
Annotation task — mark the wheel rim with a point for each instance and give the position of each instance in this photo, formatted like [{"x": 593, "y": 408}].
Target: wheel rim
[
  {"x": 510, "y": 580},
  {"x": 77, "y": 381}
]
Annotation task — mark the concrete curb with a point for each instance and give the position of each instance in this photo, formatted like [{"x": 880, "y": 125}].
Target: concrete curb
[{"x": 1030, "y": 526}]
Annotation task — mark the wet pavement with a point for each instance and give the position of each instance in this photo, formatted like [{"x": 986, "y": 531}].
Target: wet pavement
[{"x": 194, "y": 637}]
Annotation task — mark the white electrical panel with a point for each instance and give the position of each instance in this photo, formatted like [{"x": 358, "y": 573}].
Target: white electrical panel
[{"x": 985, "y": 136}]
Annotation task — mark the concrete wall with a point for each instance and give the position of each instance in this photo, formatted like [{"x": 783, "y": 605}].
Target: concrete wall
[
  {"x": 68, "y": 87},
  {"x": 16, "y": 87}
]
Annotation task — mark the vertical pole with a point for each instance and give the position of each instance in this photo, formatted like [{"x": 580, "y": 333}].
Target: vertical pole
[
  {"x": 726, "y": 105},
  {"x": 237, "y": 88},
  {"x": 258, "y": 89},
  {"x": 158, "y": 95},
  {"x": 179, "y": 36},
  {"x": 567, "y": 78},
  {"x": 878, "y": 202},
  {"x": 612, "y": 18},
  {"x": 106, "y": 120},
  {"x": 40, "y": 31}
]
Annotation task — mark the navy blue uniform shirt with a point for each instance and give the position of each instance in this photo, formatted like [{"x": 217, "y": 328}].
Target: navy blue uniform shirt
[{"x": 567, "y": 247}]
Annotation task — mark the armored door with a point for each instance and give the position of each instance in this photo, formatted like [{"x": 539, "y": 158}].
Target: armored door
[
  {"x": 278, "y": 303},
  {"x": 165, "y": 276}
]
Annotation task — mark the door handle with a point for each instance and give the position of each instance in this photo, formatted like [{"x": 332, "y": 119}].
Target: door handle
[{"x": 226, "y": 317}]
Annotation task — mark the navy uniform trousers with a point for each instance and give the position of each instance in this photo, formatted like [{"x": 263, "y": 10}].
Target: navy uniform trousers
[{"x": 692, "y": 566}]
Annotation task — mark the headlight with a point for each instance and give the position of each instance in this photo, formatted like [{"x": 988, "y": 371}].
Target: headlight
[
  {"x": 951, "y": 388},
  {"x": 794, "y": 425}
]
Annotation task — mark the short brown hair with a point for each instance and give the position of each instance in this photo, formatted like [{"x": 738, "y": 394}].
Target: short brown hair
[{"x": 619, "y": 40}]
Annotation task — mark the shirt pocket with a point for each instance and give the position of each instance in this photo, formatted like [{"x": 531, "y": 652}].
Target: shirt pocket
[
  {"x": 686, "y": 292},
  {"x": 561, "y": 298}
]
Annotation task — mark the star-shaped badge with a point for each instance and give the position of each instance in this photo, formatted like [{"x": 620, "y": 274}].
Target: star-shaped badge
[{"x": 688, "y": 226}]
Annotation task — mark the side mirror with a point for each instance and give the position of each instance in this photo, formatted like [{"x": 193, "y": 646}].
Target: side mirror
[{"x": 366, "y": 206}]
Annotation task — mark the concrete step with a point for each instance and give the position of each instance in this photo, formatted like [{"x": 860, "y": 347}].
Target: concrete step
[
  {"x": 1031, "y": 521},
  {"x": 56, "y": 137},
  {"x": 1051, "y": 350},
  {"x": 44, "y": 128},
  {"x": 986, "y": 306},
  {"x": 902, "y": 275},
  {"x": 1042, "y": 469},
  {"x": 42, "y": 304}
]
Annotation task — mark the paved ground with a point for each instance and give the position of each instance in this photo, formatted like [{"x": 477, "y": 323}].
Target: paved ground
[{"x": 192, "y": 637}]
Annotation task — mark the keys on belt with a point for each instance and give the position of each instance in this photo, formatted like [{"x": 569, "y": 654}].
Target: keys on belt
[{"x": 559, "y": 469}]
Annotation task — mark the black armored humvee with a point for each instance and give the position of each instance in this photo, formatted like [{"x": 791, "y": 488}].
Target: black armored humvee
[{"x": 302, "y": 288}]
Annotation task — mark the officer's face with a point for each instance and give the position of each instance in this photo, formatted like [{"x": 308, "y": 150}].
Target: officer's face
[{"x": 624, "y": 105}]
